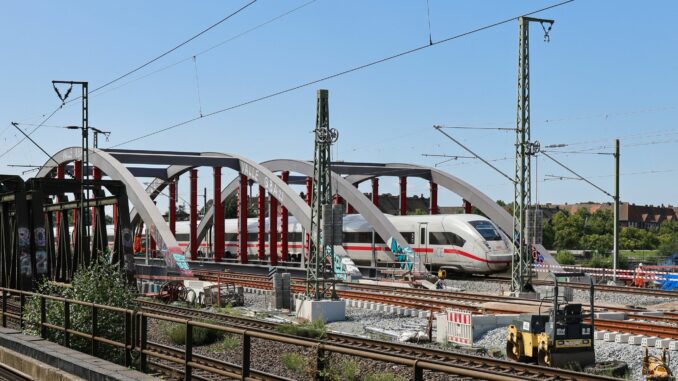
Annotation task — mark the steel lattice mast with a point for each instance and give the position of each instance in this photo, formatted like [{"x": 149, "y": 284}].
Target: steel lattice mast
[
  {"x": 521, "y": 272},
  {"x": 320, "y": 279}
]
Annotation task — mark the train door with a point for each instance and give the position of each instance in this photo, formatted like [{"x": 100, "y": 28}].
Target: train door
[{"x": 421, "y": 246}]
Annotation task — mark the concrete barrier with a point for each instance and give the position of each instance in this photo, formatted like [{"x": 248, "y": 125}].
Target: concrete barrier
[
  {"x": 648, "y": 341},
  {"x": 636, "y": 340},
  {"x": 599, "y": 335},
  {"x": 610, "y": 336},
  {"x": 622, "y": 338},
  {"x": 663, "y": 343}
]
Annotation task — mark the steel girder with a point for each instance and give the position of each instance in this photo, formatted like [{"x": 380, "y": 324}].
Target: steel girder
[
  {"x": 137, "y": 195},
  {"x": 495, "y": 212}
]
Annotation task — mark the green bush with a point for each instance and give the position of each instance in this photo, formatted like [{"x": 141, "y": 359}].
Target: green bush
[
  {"x": 201, "y": 336},
  {"x": 101, "y": 283},
  {"x": 600, "y": 261},
  {"x": 315, "y": 329},
  {"x": 347, "y": 370},
  {"x": 294, "y": 362},
  {"x": 564, "y": 257}
]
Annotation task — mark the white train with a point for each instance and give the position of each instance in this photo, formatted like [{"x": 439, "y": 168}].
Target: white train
[{"x": 465, "y": 243}]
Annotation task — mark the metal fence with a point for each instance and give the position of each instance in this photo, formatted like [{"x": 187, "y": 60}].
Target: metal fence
[{"x": 136, "y": 341}]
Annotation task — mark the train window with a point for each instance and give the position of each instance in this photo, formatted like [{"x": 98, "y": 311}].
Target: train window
[
  {"x": 487, "y": 230},
  {"x": 183, "y": 237},
  {"x": 409, "y": 237},
  {"x": 230, "y": 237},
  {"x": 377, "y": 239},
  {"x": 254, "y": 237},
  {"x": 445, "y": 238},
  {"x": 358, "y": 237},
  {"x": 294, "y": 237},
  {"x": 422, "y": 236}
]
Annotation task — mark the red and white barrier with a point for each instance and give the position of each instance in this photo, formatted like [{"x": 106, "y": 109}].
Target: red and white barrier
[{"x": 646, "y": 275}]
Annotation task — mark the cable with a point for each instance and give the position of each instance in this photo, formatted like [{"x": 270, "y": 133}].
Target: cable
[
  {"x": 210, "y": 48},
  {"x": 30, "y": 133},
  {"x": 132, "y": 71},
  {"x": 339, "y": 74},
  {"x": 174, "y": 48}
]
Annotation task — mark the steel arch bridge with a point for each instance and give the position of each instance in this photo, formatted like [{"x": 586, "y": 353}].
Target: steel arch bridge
[{"x": 128, "y": 166}]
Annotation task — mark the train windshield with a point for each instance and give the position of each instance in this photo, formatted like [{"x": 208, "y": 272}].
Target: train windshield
[{"x": 486, "y": 229}]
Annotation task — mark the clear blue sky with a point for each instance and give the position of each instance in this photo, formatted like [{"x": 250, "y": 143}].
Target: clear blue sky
[{"x": 609, "y": 71}]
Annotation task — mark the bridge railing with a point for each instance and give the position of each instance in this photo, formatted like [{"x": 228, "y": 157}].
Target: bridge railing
[{"x": 136, "y": 341}]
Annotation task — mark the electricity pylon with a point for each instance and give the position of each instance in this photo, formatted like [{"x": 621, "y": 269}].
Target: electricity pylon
[
  {"x": 320, "y": 277},
  {"x": 521, "y": 271}
]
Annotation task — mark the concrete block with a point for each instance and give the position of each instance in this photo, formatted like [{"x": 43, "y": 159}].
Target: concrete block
[
  {"x": 325, "y": 310},
  {"x": 663, "y": 343},
  {"x": 650, "y": 313},
  {"x": 622, "y": 338},
  {"x": 610, "y": 315},
  {"x": 610, "y": 336},
  {"x": 441, "y": 328},
  {"x": 599, "y": 335},
  {"x": 648, "y": 341},
  {"x": 636, "y": 340},
  {"x": 673, "y": 346}
]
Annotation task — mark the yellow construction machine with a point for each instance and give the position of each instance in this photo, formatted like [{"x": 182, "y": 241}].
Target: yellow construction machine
[
  {"x": 656, "y": 368},
  {"x": 559, "y": 338}
]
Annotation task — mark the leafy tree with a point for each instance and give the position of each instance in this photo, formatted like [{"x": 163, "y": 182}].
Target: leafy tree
[{"x": 600, "y": 243}]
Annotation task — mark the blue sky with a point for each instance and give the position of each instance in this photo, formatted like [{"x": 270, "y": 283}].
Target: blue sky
[{"x": 608, "y": 72}]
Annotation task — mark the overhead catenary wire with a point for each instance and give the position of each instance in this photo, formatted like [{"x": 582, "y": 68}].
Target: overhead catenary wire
[
  {"x": 174, "y": 48},
  {"x": 186, "y": 59},
  {"x": 27, "y": 135},
  {"x": 131, "y": 72},
  {"x": 341, "y": 73},
  {"x": 576, "y": 174}
]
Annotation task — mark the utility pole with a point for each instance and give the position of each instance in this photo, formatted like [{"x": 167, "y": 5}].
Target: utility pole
[
  {"x": 320, "y": 277},
  {"x": 521, "y": 271},
  {"x": 615, "y": 251},
  {"x": 83, "y": 233}
]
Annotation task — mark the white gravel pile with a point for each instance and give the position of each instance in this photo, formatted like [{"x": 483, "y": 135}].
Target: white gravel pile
[
  {"x": 357, "y": 319},
  {"x": 474, "y": 286},
  {"x": 495, "y": 340}
]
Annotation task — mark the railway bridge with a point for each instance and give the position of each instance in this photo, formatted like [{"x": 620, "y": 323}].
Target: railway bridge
[{"x": 274, "y": 178}]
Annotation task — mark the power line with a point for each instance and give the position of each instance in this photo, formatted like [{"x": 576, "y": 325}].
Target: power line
[
  {"x": 27, "y": 136},
  {"x": 174, "y": 48},
  {"x": 131, "y": 72},
  {"x": 258, "y": 26},
  {"x": 339, "y": 74}
]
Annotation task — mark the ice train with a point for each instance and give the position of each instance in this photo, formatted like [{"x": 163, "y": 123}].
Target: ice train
[{"x": 465, "y": 243}]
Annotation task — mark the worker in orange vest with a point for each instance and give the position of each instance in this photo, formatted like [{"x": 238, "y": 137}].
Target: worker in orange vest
[{"x": 638, "y": 280}]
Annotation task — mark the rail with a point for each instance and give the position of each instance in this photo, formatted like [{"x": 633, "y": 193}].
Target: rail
[{"x": 135, "y": 340}]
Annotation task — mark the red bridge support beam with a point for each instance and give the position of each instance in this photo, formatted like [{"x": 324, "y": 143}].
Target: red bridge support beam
[
  {"x": 60, "y": 175},
  {"x": 273, "y": 229},
  {"x": 218, "y": 217},
  {"x": 96, "y": 175},
  {"x": 403, "y": 195},
  {"x": 261, "y": 217},
  {"x": 375, "y": 191},
  {"x": 468, "y": 208},
  {"x": 77, "y": 174},
  {"x": 242, "y": 219},
  {"x": 434, "y": 198},
  {"x": 194, "y": 214},
  {"x": 284, "y": 220},
  {"x": 173, "y": 206}
]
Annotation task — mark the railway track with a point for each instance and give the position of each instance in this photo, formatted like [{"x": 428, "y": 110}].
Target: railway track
[
  {"x": 429, "y": 300},
  {"x": 465, "y": 361}
]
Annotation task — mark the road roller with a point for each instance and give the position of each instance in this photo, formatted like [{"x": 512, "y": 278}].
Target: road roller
[{"x": 557, "y": 338}]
